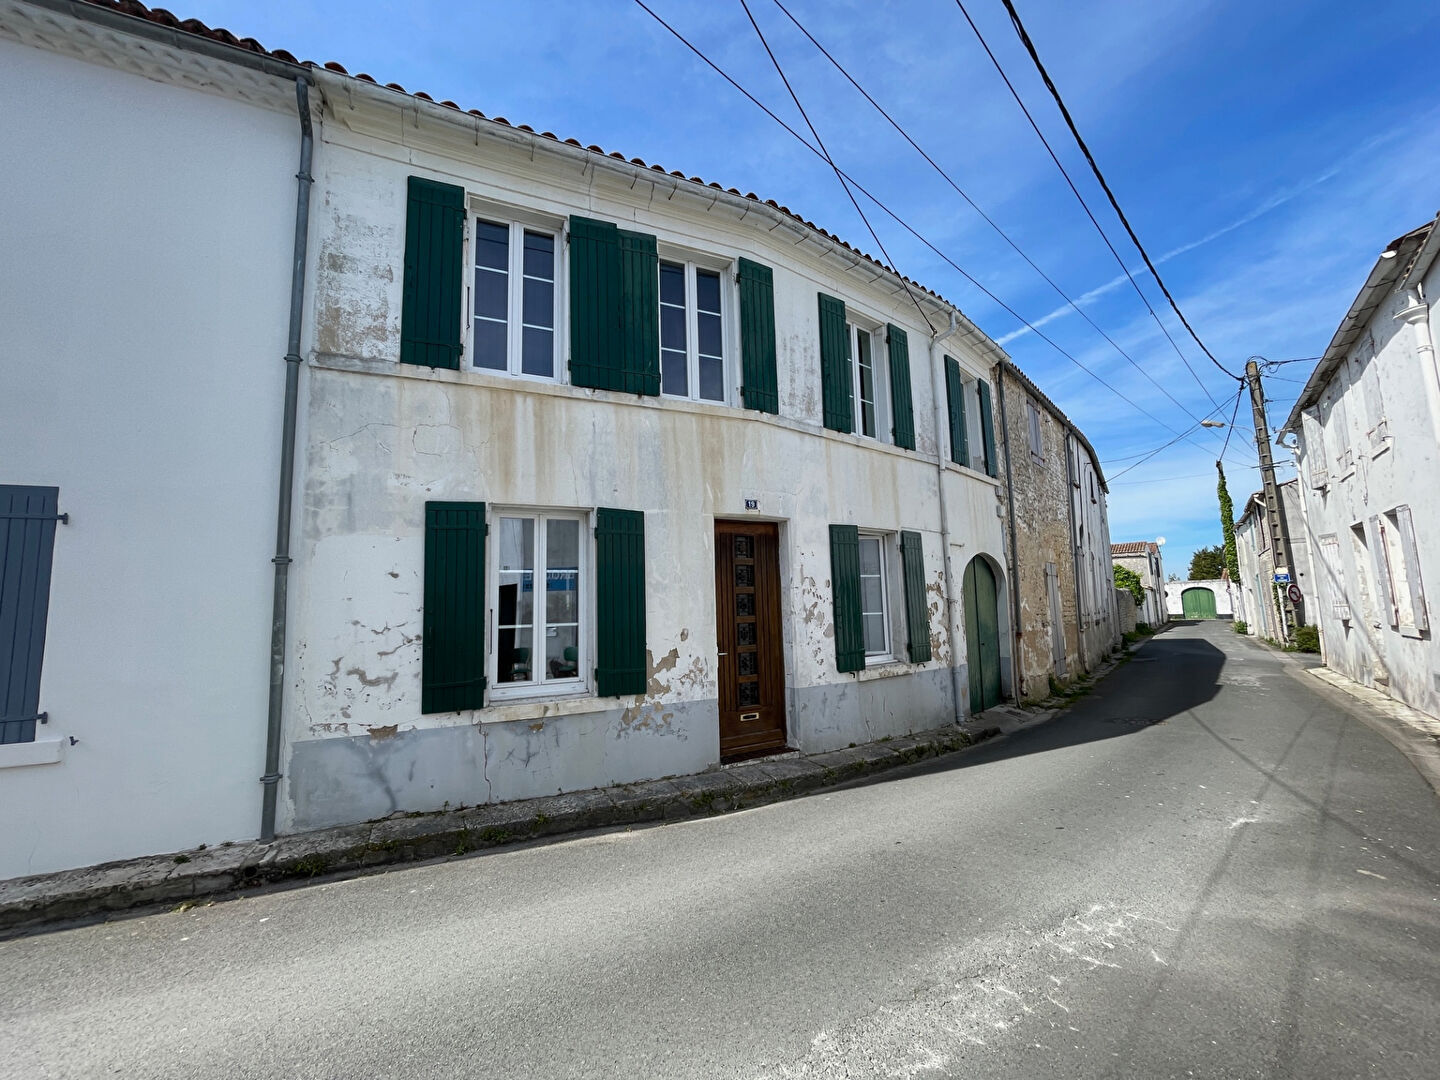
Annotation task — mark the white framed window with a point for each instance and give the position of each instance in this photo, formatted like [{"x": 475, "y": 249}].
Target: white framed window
[
  {"x": 515, "y": 323},
  {"x": 541, "y": 585},
  {"x": 868, "y": 388},
  {"x": 693, "y": 330},
  {"x": 875, "y": 596}
]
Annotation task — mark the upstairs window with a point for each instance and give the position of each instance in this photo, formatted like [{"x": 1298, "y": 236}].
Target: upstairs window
[
  {"x": 515, "y": 299},
  {"x": 867, "y": 388},
  {"x": 692, "y": 332},
  {"x": 1037, "y": 440}
]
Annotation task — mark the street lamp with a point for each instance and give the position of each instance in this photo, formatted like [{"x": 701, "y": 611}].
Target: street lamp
[{"x": 1212, "y": 423}]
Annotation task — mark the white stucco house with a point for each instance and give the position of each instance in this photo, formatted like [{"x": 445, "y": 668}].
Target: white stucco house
[
  {"x": 452, "y": 463},
  {"x": 1143, "y": 557},
  {"x": 1367, "y": 444},
  {"x": 1261, "y": 606}
]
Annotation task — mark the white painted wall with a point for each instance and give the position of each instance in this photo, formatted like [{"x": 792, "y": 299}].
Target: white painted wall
[
  {"x": 381, "y": 439},
  {"x": 1353, "y": 468},
  {"x": 1100, "y": 632},
  {"x": 147, "y": 239}
]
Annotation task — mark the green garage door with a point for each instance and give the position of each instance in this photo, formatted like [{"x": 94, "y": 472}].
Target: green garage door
[{"x": 1198, "y": 603}]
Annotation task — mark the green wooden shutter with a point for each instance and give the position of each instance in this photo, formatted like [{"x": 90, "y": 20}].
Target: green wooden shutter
[
  {"x": 901, "y": 407},
  {"x": 614, "y": 308},
  {"x": 595, "y": 339},
  {"x": 835, "y": 387},
  {"x": 845, "y": 585},
  {"x": 987, "y": 429},
  {"x": 639, "y": 313},
  {"x": 430, "y": 315},
  {"x": 955, "y": 397},
  {"x": 757, "y": 337},
  {"x": 917, "y": 617},
  {"x": 453, "y": 647},
  {"x": 620, "y": 603}
]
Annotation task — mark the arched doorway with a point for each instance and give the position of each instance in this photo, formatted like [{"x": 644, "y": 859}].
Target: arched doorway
[
  {"x": 1197, "y": 603},
  {"x": 982, "y": 634}
]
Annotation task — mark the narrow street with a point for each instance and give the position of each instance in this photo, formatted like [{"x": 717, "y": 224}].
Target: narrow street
[{"x": 1205, "y": 869}]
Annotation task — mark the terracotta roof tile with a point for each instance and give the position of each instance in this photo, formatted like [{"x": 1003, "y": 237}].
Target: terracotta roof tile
[{"x": 1136, "y": 547}]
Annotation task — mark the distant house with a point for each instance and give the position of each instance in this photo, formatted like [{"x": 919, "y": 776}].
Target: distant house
[
  {"x": 1143, "y": 557},
  {"x": 1261, "y": 607},
  {"x": 1367, "y": 429}
]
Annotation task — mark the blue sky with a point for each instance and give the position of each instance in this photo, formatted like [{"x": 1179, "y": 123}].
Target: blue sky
[{"x": 1265, "y": 153}]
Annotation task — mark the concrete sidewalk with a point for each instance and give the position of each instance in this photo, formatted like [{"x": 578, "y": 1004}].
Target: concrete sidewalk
[
  {"x": 93, "y": 892},
  {"x": 1414, "y": 733}
]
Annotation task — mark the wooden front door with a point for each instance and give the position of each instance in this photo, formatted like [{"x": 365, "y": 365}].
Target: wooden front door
[{"x": 747, "y": 615}]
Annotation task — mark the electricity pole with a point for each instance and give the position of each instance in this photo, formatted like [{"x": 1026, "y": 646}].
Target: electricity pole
[{"x": 1279, "y": 542}]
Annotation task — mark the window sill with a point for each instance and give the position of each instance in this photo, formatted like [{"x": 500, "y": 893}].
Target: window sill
[
  {"x": 1411, "y": 632},
  {"x": 883, "y": 669},
  {"x": 39, "y": 752},
  {"x": 535, "y": 707}
]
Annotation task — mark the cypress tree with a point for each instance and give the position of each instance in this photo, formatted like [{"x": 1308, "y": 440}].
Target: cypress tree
[{"x": 1227, "y": 525}]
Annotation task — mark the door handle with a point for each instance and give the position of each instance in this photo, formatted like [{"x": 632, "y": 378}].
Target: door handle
[{"x": 724, "y": 654}]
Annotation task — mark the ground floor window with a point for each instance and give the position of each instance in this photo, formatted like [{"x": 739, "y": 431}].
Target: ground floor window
[
  {"x": 541, "y": 581},
  {"x": 874, "y": 597}
]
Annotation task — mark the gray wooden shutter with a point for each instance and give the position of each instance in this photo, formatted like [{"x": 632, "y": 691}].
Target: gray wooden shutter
[
  {"x": 1412, "y": 566},
  {"x": 835, "y": 386},
  {"x": 27, "y": 547},
  {"x": 987, "y": 429},
  {"x": 452, "y": 651},
  {"x": 917, "y": 615},
  {"x": 759, "y": 388},
  {"x": 430, "y": 310},
  {"x": 845, "y": 588},
  {"x": 901, "y": 407},
  {"x": 955, "y": 401},
  {"x": 1381, "y": 560},
  {"x": 620, "y": 603}
]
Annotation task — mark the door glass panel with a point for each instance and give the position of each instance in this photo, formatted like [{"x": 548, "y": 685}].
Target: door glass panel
[
  {"x": 749, "y": 663},
  {"x": 516, "y": 601},
  {"x": 745, "y": 604},
  {"x": 744, "y": 547},
  {"x": 749, "y": 693},
  {"x": 745, "y": 633},
  {"x": 745, "y": 576}
]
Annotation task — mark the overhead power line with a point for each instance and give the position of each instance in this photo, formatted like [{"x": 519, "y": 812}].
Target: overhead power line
[
  {"x": 1095, "y": 168},
  {"x": 1164, "y": 446},
  {"x": 974, "y": 206},
  {"x": 907, "y": 226},
  {"x": 1084, "y": 205},
  {"x": 831, "y": 162}
]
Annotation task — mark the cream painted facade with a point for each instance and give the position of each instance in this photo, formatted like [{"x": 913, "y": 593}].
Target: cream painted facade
[
  {"x": 1260, "y": 605},
  {"x": 1367, "y": 441},
  {"x": 381, "y": 439}
]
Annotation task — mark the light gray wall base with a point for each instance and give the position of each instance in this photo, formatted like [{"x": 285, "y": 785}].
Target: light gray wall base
[
  {"x": 340, "y": 781},
  {"x": 834, "y": 715}
]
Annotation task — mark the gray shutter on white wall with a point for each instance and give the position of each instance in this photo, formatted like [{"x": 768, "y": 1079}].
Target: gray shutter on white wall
[
  {"x": 27, "y": 545},
  {"x": 1380, "y": 558},
  {"x": 1412, "y": 566}
]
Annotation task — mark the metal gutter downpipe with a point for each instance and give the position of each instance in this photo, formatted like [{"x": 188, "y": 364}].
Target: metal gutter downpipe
[
  {"x": 1072, "y": 466},
  {"x": 952, "y": 627},
  {"x": 271, "y": 780},
  {"x": 1014, "y": 550}
]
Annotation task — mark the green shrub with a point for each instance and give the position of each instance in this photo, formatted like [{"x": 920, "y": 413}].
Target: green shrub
[
  {"x": 1307, "y": 638},
  {"x": 1240, "y": 627},
  {"x": 1144, "y": 629}
]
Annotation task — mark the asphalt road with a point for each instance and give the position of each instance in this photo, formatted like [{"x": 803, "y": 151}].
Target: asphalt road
[{"x": 1204, "y": 870}]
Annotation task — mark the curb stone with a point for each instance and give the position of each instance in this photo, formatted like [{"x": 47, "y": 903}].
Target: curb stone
[{"x": 95, "y": 892}]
